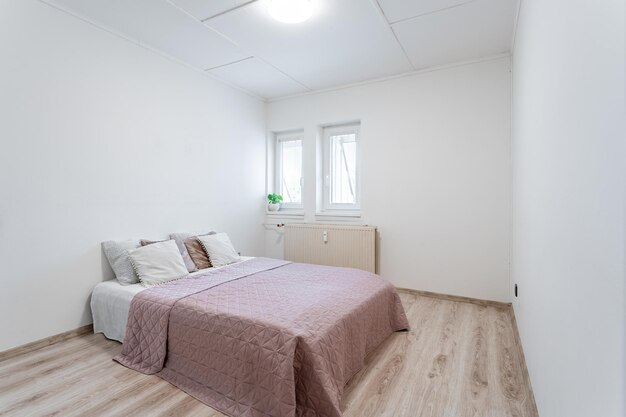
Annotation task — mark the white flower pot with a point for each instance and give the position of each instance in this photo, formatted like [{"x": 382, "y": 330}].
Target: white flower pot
[{"x": 273, "y": 206}]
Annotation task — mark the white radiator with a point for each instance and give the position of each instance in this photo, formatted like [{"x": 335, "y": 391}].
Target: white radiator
[{"x": 332, "y": 244}]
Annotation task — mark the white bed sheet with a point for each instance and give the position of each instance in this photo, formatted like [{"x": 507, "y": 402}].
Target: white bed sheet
[{"x": 110, "y": 304}]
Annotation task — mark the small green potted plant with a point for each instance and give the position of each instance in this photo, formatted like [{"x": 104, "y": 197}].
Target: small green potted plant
[{"x": 274, "y": 201}]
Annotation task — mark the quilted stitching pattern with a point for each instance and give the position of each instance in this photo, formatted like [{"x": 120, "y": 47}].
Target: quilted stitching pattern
[{"x": 281, "y": 342}]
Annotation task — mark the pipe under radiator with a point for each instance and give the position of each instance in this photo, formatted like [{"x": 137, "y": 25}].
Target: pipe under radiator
[{"x": 332, "y": 244}]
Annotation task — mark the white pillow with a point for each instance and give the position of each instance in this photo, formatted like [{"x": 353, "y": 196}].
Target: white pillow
[
  {"x": 219, "y": 249},
  {"x": 158, "y": 263}
]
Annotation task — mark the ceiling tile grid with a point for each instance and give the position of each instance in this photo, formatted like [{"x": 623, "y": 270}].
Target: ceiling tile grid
[
  {"x": 344, "y": 42},
  {"x": 205, "y": 9},
  {"x": 472, "y": 30},
  {"x": 256, "y": 76},
  {"x": 397, "y": 10}
]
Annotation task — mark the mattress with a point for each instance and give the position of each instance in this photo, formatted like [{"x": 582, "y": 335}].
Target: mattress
[{"x": 110, "y": 303}]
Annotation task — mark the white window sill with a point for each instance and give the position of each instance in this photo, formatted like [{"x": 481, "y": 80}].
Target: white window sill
[
  {"x": 285, "y": 213},
  {"x": 338, "y": 215}
]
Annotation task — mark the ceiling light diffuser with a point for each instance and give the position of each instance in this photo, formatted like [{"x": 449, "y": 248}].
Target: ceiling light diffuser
[{"x": 291, "y": 11}]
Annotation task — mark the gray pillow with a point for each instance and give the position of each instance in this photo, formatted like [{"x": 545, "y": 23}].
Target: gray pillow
[
  {"x": 181, "y": 236},
  {"x": 117, "y": 255}
]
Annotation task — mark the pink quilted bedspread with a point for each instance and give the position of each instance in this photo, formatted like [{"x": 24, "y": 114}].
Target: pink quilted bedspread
[{"x": 262, "y": 337}]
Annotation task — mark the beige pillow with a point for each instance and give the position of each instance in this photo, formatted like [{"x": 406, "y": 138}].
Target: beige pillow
[
  {"x": 197, "y": 253},
  {"x": 158, "y": 263},
  {"x": 219, "y": 248}
]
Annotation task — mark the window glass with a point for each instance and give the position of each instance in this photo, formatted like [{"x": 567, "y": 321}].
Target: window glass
[
  {"x": 290, "y": 170},
  {"x": 343, "y": 169}
]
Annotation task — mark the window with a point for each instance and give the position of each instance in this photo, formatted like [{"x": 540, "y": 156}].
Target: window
[
  {"x": 289, "y": 168},
  {"x": 341, "y": 167}
]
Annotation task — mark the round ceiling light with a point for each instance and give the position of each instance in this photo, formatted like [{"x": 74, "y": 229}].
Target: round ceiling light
[{"x": 291, "y": 11}]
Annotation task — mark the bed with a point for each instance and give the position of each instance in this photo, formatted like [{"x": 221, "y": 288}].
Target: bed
[
  {"x": 110, "y": 303},
  {"x": 262, "y": 337}
]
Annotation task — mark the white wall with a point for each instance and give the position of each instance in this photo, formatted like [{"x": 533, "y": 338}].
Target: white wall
[
  {"x": 436, "y": 175},
  {"x": 569, "y": 170},
  {"x": 102, "y": 139}
]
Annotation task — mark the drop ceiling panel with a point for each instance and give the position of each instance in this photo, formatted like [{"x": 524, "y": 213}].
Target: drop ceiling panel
[
  {"x": 160, "y": 25},
  {"x": 259, "y": 78},
  {"x": 402, "y": 9},
  {"x": 344, "y": 42},
  {"x": 202, "y": 9},
  {"x": 475, "y": 29}
]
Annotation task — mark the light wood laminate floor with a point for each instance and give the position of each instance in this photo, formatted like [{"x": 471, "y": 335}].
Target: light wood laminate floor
[{"x": 458, "y": 360}]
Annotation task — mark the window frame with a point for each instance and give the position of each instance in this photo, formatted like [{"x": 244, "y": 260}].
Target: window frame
[
  {"x": 278, "y": 172},
  {"x": 328, "y": 132}
]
